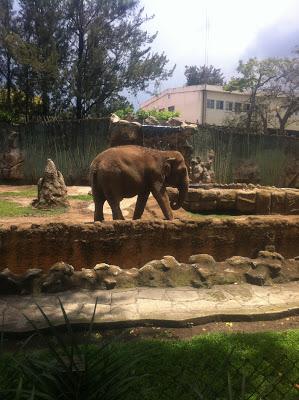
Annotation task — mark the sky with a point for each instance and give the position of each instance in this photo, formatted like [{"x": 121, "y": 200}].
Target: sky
[{"x": 237, "y": 29}]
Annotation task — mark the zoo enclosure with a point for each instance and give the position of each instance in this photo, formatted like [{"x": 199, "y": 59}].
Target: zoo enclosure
[{"x": 73, "y": 144}]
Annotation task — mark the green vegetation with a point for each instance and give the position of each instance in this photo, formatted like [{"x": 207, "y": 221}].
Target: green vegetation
[
  {"x": 82, "y": 197},
  {"x": 141, "y": 115},
  {"x": 53, "y": 65},
  {"x": 207, "y": 215},
  {"x": 31, "y": 192},
  {"x": 214, "y": 366},
  {"x": 208, "y": 75},
  {"x": 11, "y": 209}
]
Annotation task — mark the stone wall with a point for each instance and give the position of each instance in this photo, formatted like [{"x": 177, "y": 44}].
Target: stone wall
[
  {"x": 241, "y": 199},
  {"x": 134, "y": 243},
  {"x": 176, "y": 137}
]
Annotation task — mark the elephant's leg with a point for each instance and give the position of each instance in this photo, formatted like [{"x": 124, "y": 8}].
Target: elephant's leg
[
  {"x": 140, "y": 205},
  {"x": 99, "y": 200},
  {"x": 98, "y": 209},
  {"x": 162, "y": 198},
  {"x": 115, "y": 207}
]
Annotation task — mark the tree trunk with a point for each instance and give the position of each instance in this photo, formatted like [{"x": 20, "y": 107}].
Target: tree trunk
[
  {"x": 79, "y": 80},
  {"x": 8, "y": 83}
]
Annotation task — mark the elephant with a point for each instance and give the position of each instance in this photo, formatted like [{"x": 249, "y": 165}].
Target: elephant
[{"x": 129, "y": 170}]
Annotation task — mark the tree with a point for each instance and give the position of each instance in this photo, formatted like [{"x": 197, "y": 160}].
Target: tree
[
  {"x": 7, "y": 65},
  {"x": 111, "y": 52},
  {"x": 255, "y": 75},
  {"x": 203, "y": 75},
  {"x": 42, "y": 36},
  {"x": 284, "y": 91}
]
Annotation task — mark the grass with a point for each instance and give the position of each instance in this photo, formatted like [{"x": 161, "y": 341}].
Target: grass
[
  {"x": 32, "y": 192},
  {"x": 199, "y": 216},
  {"x": 200, "y": 368},
  {"x": 11, "y": 209},
  {"x": 82, "y": 197}
]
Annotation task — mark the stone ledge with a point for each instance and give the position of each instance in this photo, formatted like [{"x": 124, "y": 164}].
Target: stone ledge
[{"x": 130, "y": 308}]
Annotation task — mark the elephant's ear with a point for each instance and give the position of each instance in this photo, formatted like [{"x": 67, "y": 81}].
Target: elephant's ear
[{"x": 168, "y": 163}]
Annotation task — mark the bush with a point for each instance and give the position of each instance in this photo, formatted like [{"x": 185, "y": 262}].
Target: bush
[{"x": 141, "y": 115}]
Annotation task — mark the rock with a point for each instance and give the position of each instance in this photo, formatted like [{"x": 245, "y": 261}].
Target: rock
[
  {"x": 277, "y": 202},
  {"x": 114, "y": 118},
  {"x": 263, "y": 202},
  {"x": 205, "y": 273},
  {"x": 101, "y": 267},
  {"x": 169, "y": 262},
  {"x": 202, "y": 171},
  {"x": 110, "y": 283},
  {"x": 62, "y": 267},
  {"x": 9, "y": 283},
  {"x": 56, "y": 282},
  {"x": 114, "y": 270},
  {"x": 204, "y": 259},
  {"x": 176, "y": 121},
  {"x": 257, "y": 276},
  {"x": 245, "y": 203},
  {"x": 226, "y": 200},
  {"x": 292, "y": 202},
  {"x": 52, "y": 191},
  {"x": 123, "y": 132},
  {"x": 274, "y": 267},
  {"x": 88, "y": 277},
  {"x": 128, "y": 278},
  {"x": 12, "y": 158},
  {"x": 150, "y": 120},
  {"x": 270, "y": 254},
  {"x": 240, "y": 262},
  {"x": 198, "y": 284}
]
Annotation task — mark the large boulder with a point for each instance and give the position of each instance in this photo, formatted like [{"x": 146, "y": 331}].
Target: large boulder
[{"x": 52, "y": 191}]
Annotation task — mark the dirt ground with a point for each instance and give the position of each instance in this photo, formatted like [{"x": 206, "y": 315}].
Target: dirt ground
[
  {"x": 278, "y": 325},
  {"x": 82, "y": 211}
]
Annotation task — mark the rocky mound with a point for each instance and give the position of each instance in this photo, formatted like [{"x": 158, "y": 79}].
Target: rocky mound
[{"x": 201, "y": 270}]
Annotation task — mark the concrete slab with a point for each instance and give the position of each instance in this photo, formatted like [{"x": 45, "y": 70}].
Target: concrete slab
[{"x": 154, "y": 306}]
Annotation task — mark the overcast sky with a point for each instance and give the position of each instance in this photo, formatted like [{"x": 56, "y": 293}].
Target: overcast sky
[{"x": 236, "y": 30}]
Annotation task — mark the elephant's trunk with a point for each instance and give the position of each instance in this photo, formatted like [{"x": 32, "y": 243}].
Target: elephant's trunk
[{"x": 183, "y": 190}]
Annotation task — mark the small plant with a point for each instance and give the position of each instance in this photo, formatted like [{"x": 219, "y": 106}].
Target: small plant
[{"x": 69, "y": 371}]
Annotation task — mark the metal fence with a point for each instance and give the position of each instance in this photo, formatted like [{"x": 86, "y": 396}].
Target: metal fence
[{"x": 244, "y": 379}]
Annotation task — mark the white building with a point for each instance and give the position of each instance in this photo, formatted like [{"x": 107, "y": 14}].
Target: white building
[{"x": 207, "y": 104}]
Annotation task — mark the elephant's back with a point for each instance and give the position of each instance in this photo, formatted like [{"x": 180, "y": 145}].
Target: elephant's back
[{"x": 120, "y": 155}]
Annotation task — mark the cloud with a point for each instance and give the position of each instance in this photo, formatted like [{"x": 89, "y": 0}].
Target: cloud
[{"x": 277, "y": 40}]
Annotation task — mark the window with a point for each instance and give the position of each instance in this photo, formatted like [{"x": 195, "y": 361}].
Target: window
[
  {"x": 210, "y": 103},
  {"x": 161, "y": 109},
  {"x": 171, "y": 108},
  {"x": 219, "y": 104},
  {"x": 168, "y": 96},
  {"x": 229, "y": 105},
  {"x": 246, "y": 107},
  {"x": 238, "y": 107}
]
